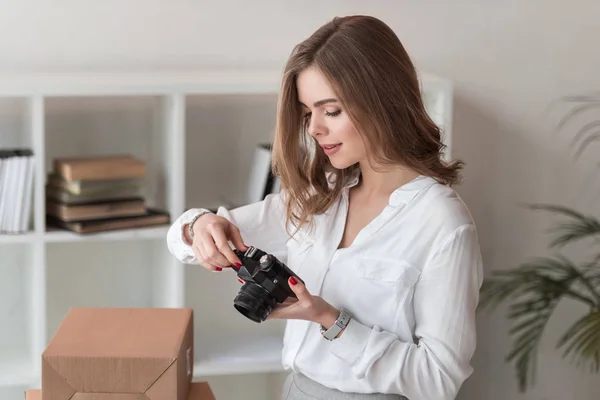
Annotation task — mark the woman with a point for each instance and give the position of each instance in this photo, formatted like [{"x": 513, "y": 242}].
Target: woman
[{"x": 388, "y": 252}]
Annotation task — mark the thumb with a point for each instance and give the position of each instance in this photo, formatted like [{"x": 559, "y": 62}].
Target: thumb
[
  {"x": 298, "y": 288},
  {"x": 236, "y": 237}
]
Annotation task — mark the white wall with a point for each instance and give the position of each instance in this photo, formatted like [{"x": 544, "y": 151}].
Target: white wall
[{"x": 509, "y": 60}]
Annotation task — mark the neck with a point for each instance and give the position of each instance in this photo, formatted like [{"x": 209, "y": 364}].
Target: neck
[{"x": 385, "y": 180}]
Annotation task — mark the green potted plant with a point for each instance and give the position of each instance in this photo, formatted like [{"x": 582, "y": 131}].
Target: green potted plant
[{"x": 534, "y": 288}]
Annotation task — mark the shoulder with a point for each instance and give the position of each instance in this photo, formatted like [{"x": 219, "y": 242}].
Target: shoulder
[
  {"x": 443, "y": 203},
  {"x": 440, "y": 211}
]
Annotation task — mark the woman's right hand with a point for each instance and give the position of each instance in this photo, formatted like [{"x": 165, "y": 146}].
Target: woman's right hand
[{"x": 210, "y": 243}]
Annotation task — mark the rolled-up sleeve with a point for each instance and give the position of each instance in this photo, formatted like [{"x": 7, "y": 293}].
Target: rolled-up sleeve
[
  {"x": 445, "y": 302},
  {"x": 261, "y": 224}
]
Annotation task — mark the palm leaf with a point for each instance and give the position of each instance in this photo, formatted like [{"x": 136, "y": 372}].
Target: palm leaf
[
  {"x": 534, "y": 289},
  {"x": 581, "y": 226},
  {"x": 587, "y": 103},
  {"x": 593, "y": 276},
  {"x": 549, "y": 275},
  {"x": 592, "y": 104},
  {"x": 527, "y": 337},
  {"x": 588, "y": 138},
  {"x": 582, "y": 341}
]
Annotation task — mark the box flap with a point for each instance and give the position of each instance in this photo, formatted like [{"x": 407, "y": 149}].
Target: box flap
[
  {"x": 106, "y": 375},
  {"x": 108, "y": 396},
  {"x": 53, "y": 382},
  {"x": 120, "y": 332},
  {"x": 163, "y": 388},
  {"x": 116, "y": 350},
  {"x": 198, "y": 391}
]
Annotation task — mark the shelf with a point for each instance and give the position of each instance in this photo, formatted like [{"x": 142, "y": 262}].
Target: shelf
[
  {"x": 197, "y": 132},
  {"x": 213, "y": 81},
  {"x": 53, "y": 235},
  {"x": 240, "y": 355},
  {"x": 17, "y": 238},
  {"x": 197, "y": 81},
  {"x": 63, "y": 236}
]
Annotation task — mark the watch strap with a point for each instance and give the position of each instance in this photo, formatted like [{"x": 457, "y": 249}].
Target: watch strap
[{"x": 339, "y": 325}]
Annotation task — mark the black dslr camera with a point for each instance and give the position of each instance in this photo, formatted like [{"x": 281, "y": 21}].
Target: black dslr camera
[{"x": 266, "y": 283}]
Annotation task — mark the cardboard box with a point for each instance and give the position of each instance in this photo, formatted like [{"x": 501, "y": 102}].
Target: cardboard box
[
  {"x": 120, "y": 353},
  {"x": 201, "y": 391},
  {"x": 33, "y": 394},
  {"x": 198, "y": 391}
]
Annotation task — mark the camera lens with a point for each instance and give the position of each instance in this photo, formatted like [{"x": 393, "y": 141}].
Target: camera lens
[{"x": 254, "y": 302}]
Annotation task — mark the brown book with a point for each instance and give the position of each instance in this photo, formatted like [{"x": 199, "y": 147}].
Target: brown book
[
  {"x": 68, "y": 198},
  {"x": 152, "y": 217},
  {"x": 104, "y": 209},
  {"x": 86, "y": 187},
  {"x": 94, "y": 168}
]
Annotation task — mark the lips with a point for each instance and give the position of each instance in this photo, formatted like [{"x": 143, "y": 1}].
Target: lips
[{"x": 330, "y": 149}]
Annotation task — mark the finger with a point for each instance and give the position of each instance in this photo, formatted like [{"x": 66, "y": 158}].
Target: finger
[
  {"x": 223, "y": 245},
  {"x": 204, "y": 261},
  {"x": 212, "y": 252},
  {"x": 212, "y": 267},
  {"x": 197, "y": 253},
  {"x": 299, "y": 289},
  {"x": 236, "y": 238}
]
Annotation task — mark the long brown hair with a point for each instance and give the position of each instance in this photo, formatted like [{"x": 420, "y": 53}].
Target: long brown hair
[{"x": 377, "y": 85}]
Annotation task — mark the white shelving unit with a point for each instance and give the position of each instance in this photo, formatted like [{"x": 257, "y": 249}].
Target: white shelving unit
[{"x": 196, "y": 131}]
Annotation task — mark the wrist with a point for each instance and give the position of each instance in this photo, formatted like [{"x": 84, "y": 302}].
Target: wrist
[
  {"x": 190, "y": 226},
  {"x": 333, "y": 330},
  {"x": 328, "y": 318}
]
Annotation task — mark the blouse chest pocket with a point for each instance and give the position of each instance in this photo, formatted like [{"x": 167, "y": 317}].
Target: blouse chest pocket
[
  {"x": 388, "y": 271},
  {"x": 383, "y": 290}
]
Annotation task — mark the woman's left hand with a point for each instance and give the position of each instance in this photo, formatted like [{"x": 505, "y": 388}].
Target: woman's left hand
[{"x": 305, "y": 306}]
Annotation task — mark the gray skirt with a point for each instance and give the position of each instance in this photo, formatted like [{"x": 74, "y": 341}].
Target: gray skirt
[{"x": 299, "y": 387}]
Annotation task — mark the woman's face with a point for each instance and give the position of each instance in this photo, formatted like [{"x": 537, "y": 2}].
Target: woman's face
[{"x": 328, "y": 123}]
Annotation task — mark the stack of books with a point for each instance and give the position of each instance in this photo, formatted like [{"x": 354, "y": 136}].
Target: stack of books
[{"x": 99, "y": 193}]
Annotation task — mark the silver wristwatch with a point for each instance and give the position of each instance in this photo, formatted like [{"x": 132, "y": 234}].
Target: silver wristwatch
[{"x": 340, "y": 324}]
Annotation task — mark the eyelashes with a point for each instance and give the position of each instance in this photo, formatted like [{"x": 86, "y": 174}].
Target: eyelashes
[{"x": 327, "y": 113}]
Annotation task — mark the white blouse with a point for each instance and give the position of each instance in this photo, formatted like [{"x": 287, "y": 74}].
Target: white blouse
[{"x": 411, "y": 279}]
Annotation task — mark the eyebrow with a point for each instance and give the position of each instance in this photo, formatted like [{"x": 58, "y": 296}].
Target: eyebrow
[{"x": 321, "y": 102}]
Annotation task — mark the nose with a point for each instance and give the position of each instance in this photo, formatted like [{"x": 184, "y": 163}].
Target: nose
[{"x": 316, "y": 127}]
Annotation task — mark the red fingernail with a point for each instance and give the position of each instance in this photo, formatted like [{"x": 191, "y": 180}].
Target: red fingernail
[
  {"x": 293, "y": 280},
  {"x": 219, "y": 269},
  {"x": 238, "y": 264},
  {"x": 241, "y": 281}
]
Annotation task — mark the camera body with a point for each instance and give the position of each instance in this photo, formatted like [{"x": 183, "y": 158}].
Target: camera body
[{"x": 266, "y": 283}]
